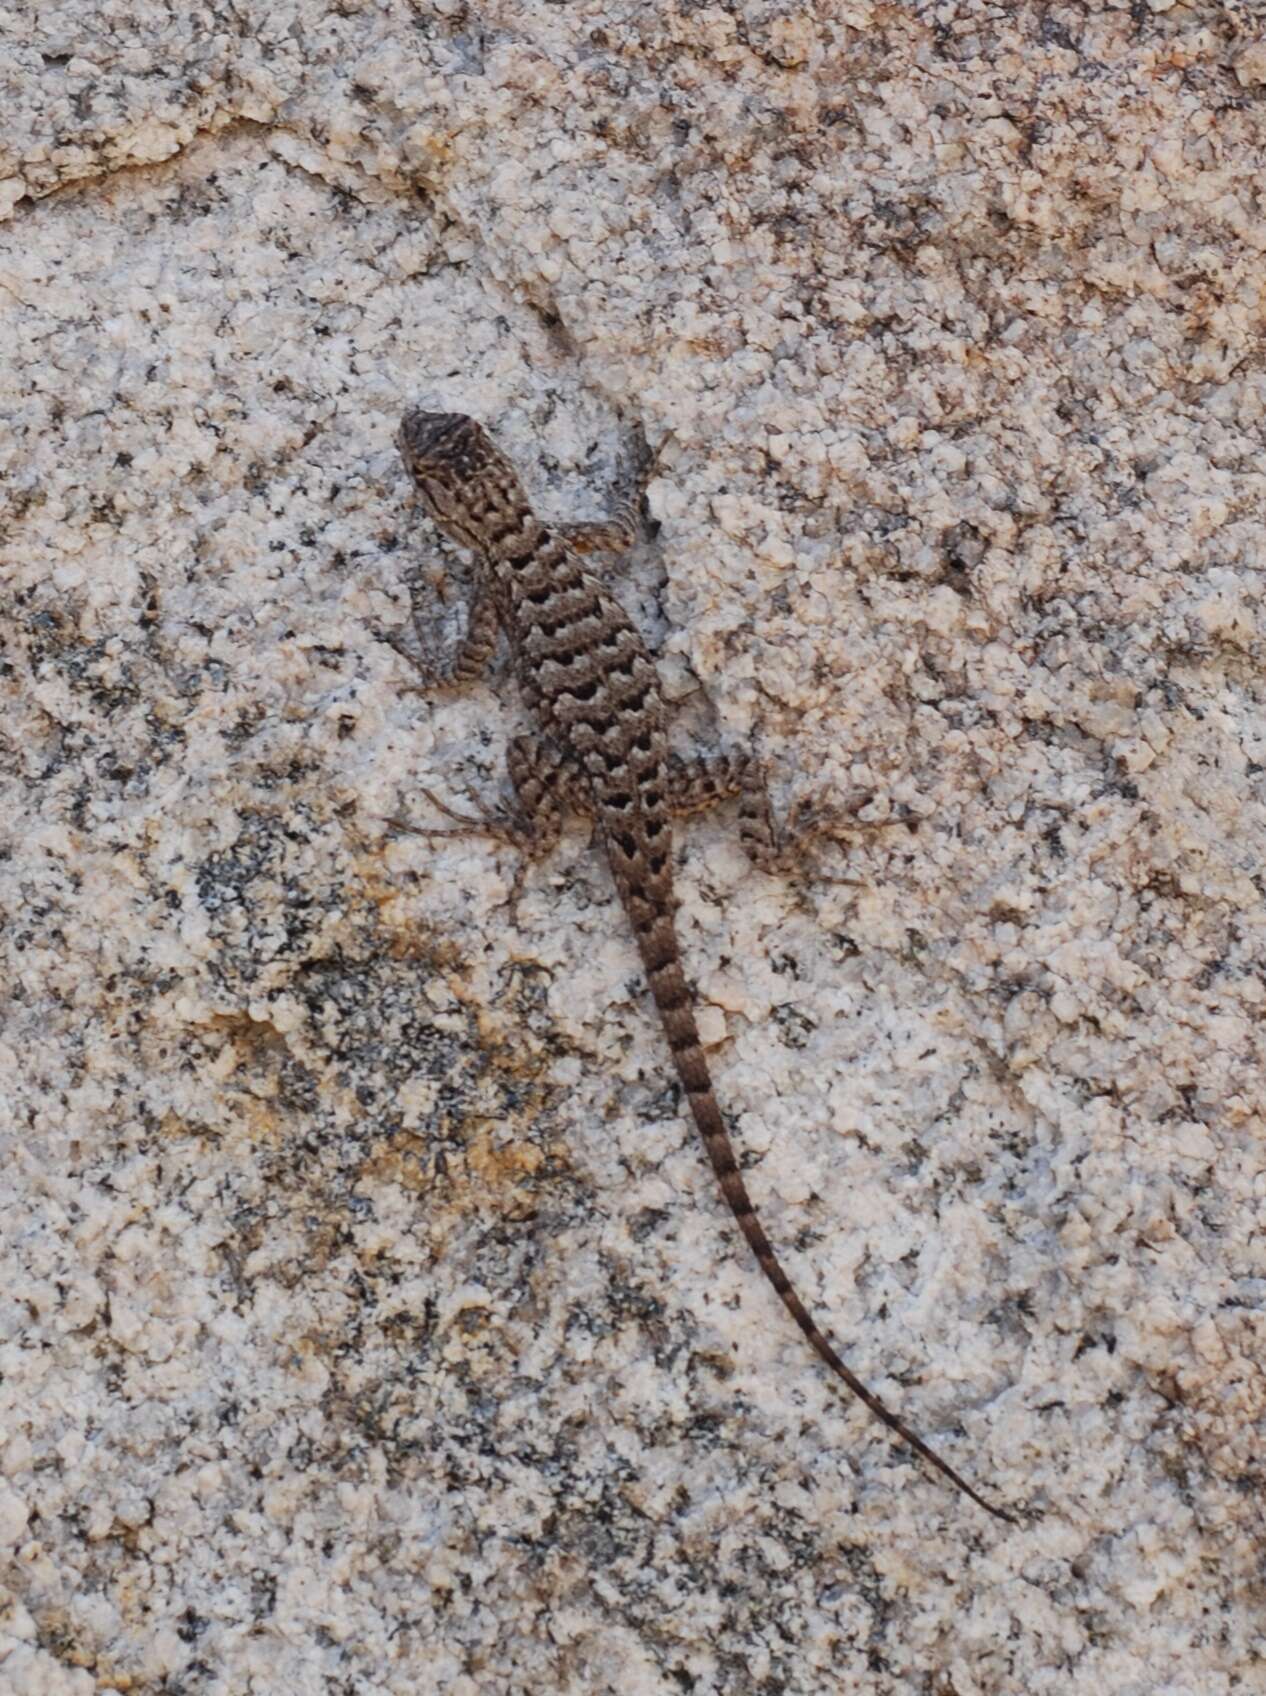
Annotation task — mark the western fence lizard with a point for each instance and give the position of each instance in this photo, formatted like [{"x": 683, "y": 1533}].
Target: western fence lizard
[{"x": 600, "y": 748}]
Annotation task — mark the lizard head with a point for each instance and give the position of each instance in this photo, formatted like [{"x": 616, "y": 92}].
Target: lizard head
[
  {"x": 433, "y": 443},
  {"x": 450, "y": 456}
]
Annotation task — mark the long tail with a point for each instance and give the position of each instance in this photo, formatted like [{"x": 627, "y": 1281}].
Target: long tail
[{"x": 658, "y": 946}]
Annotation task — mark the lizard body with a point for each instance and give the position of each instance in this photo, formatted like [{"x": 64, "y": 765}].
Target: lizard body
[{"x": 593, "y": 694}]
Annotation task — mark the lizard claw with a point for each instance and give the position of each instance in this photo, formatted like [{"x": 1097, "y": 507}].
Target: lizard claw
[
  {"x": 810, "y": 818},
  {"x": 807, "y": 823},
  {"x": 430, "y": 676},
  {"x": 502, "y": 827}
]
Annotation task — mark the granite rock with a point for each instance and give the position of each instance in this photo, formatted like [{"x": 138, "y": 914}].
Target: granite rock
[{"x": 368, "y": 1321}]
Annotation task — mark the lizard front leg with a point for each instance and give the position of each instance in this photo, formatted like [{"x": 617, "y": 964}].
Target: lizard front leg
[
  {"x": 619, "y": 533},
  {"x": 615, "y": 535},
  {"x": 473, "y": 654}
]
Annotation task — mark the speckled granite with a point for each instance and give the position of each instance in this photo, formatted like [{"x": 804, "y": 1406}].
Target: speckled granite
[{"x": 368, "y": 1322}]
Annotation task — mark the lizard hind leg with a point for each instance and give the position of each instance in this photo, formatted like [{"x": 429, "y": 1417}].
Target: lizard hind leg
[
  {"x": 543, "y": 786},
  {"x": 707, "y": 779}
]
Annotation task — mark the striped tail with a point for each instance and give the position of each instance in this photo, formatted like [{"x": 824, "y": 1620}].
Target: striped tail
[{"x": 658, "y": 946}]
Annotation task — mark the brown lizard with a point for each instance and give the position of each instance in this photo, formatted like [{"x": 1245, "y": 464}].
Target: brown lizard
[{"x": 593, "y": 695}]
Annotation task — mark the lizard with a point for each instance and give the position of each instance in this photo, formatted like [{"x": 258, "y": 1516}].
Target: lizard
[{"x": 593, "y": 696}]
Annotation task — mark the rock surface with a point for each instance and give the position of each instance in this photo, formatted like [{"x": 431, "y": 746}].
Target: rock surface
[{"x": 368, "y": 1322}]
